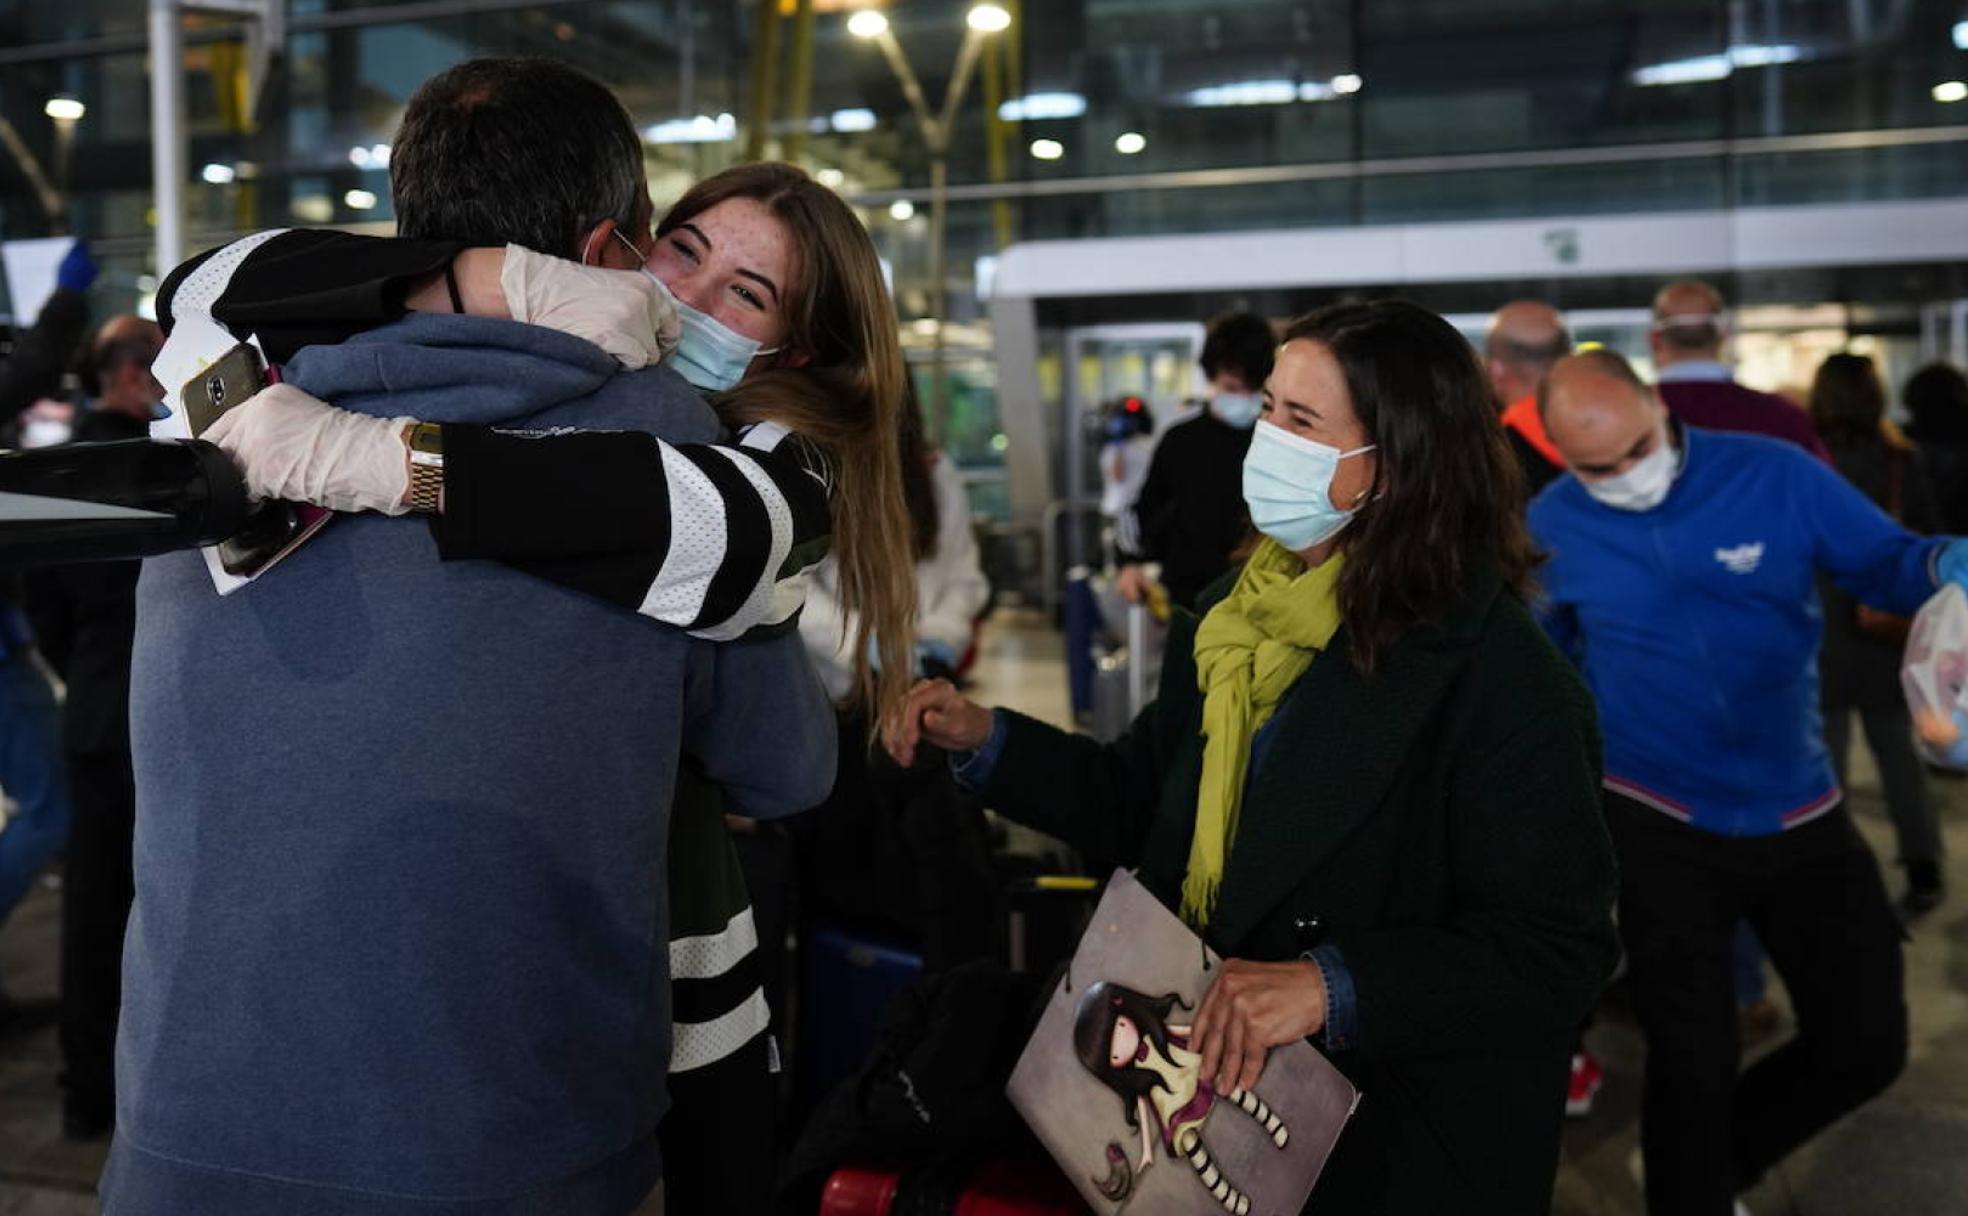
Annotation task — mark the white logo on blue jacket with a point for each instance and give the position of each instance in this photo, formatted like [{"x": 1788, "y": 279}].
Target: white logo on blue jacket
[{"x": 1743, "y": 559}]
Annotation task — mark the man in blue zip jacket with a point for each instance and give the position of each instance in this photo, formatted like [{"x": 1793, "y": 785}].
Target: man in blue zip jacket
[{"x": 1681, "y": 579}]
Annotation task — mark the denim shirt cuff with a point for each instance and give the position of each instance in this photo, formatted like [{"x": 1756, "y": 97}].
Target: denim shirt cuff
[
  {"x": 1342, "y": 1030},
  {"x": 973, "y": 769}
]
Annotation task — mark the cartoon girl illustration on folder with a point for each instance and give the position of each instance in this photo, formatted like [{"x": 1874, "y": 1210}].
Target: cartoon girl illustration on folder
[{"x": 1126, "y": 1040}]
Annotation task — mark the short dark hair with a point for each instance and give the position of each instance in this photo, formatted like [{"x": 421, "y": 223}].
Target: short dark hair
[
  {"x": 1937, "y": 397},
  {"x": 1240, "y": 342},
  {"x": 515, "y": 151},
  {"x": 1446, "y": 507}
]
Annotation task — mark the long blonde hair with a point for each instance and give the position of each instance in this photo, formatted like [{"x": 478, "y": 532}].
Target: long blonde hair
[{"x": 847, "y": 399}]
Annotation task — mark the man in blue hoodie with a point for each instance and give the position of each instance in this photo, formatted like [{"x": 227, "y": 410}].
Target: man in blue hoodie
[
  {"x": 1681, "y": 578},
  {"x": 399, "y": 944}
]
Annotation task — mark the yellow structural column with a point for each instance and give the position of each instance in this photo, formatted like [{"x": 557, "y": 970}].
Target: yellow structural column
[
  {"x": 765, "y": 78},
  {"x": 799, "y": 85},
  {"x": 1002, "y": 73}
]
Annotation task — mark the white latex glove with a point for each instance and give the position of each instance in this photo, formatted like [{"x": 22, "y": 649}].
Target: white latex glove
[
  {"x": 301, "y": 449},
  {"x": 621, "y": 311}
]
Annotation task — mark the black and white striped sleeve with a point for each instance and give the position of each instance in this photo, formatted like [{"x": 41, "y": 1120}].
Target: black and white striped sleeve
[{"x": 710, "y": 538}]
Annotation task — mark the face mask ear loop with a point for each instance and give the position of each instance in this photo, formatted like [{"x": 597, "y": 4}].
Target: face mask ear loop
[
  {"x": 1372, "y": 492},
  {"x": 641, "y": 258},
  {"x": 587, "y": 247}
]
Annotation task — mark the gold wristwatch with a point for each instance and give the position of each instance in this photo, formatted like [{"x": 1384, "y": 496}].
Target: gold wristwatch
[{"x": 426, "y": 443}]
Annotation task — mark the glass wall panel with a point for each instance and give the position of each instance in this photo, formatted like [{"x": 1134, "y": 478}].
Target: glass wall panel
[
  {"x": 1660, "y": 185},
  {"x": 1123, "y": 89}
]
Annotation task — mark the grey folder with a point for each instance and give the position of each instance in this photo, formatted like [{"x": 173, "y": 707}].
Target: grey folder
[{"x": 1108, "y": 1067}]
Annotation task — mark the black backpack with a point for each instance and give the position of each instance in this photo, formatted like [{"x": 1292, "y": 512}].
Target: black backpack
[{"x": 930, "y": 1104}]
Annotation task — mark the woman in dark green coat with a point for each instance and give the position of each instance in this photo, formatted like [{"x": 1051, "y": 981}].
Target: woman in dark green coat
[{"x": 1368, "y": 779}]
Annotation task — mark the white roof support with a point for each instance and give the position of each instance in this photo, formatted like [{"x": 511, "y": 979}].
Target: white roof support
[
  {"x": 266, "y": 41},
  {"x": 1661, "y": 243}
]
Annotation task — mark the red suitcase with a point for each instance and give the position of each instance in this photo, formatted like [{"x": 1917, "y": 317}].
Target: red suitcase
[{"x": 1002, "y": 1188}]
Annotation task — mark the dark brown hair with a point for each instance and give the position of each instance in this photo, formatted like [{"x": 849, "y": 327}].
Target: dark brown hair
[
  {"x": 1847, "y": 400},
  {"x": 918, "y": 481},
  {"x": 847, "y": 399},
  {"x": 1447, "y": 500},
  {"x": 1937, "y": 397}
]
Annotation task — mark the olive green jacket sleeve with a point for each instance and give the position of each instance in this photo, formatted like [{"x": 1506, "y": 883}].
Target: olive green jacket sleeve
[{"x": 1100, "y": 798}]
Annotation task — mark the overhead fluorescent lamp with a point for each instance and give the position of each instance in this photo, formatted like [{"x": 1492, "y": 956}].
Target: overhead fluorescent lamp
[
  {"x": 1271, "y": 92},
  {"x": 1243, "y": 93},
  {"x": 1764, "y": 56},
  {"x": 1961, "y": 35},
  {"x": 1043, "y": 105},
  {"x": 702, "y": 129},
  {"x": 853, "y": 120},
  {"x": 1685, "y": 71},
  {"x": 1703, "y": 68}
]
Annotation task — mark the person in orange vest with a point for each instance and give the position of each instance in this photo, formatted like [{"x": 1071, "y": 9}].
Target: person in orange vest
[{"x": 1525, "y": 338}]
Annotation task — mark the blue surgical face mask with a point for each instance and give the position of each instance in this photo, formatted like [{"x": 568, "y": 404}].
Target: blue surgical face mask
[
  {"x": 1238, "y": 409},
  {"x": 710, "y": 355},
  {"x": 1288, "y": 487}
]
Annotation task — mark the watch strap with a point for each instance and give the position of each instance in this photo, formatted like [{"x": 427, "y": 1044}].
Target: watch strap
[{"x": 426, "y": 443}]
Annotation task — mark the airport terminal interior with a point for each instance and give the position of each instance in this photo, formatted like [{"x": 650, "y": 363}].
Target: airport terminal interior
[{"x": 1070, "y": 203}]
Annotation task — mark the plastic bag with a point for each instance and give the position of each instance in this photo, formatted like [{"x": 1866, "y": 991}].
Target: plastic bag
[{"x": 1934, "y": 675}]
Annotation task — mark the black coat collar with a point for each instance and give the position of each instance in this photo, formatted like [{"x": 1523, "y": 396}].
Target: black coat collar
[{"x": 1340, "y": 745}]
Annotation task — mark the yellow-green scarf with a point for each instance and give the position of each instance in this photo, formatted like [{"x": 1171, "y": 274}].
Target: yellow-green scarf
[{"x": 1250, "y": 649}]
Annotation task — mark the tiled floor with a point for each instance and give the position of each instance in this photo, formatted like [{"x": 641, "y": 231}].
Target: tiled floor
[
  {"x": 40, "y": 1173},
  {"x": 1906, "y": 1154}
]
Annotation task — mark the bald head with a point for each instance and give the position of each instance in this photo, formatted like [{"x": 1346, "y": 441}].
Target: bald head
[
  {"x": 1524, "y": 339},
  {"x": 120, "y": 356},
  {"x": 1688, "y": 323},
  {"x": 1599, "y": 413}
]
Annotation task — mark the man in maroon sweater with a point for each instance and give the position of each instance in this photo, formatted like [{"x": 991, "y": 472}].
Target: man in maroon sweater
[{"x": 1690, "y": 327}]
